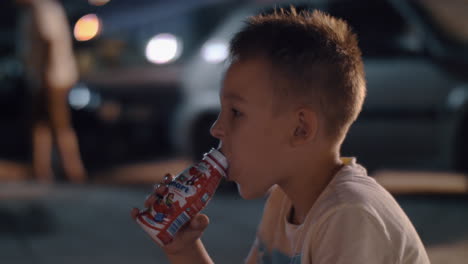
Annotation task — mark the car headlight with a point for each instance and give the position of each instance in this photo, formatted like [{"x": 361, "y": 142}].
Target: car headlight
[
  {"x": 163, "y": 48},
  {"x": 215, "y": 51}
]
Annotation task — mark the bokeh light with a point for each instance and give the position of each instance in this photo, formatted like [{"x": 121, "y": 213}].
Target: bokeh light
[
  {"x": 87, "y": 27},
  {"x": 79, "y": 97},
  {"x": 98, "y": 2},
  {"x": 215, "y": 52},
  {"x": 163, "y": 48}
]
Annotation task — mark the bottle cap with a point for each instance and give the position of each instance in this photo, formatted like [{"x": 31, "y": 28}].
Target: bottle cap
[{"x": 219, "y": 157}]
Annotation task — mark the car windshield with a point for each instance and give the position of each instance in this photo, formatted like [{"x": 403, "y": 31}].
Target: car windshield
[{"x": 449, "y": 17}]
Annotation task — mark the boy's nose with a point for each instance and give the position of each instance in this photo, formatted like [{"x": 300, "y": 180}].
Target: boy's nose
[{"x": 216, "y": 130}]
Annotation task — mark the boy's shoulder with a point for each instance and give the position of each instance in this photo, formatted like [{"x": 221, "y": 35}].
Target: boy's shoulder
[
  {"x": 350, "y": 189},
  {"x": 353, "y": 187},
  {"x": 352, "y": 194}
]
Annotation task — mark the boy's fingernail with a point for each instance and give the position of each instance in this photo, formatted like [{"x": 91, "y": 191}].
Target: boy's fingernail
[
  {"x": 166, "y": 177},
  {"x": 199, "y": 222}
]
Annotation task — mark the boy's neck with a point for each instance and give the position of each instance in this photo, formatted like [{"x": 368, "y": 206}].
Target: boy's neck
[{"x": 305, "y": 186}]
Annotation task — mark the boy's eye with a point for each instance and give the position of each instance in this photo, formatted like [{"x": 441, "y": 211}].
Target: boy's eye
[{"x": 236, "y": 113}]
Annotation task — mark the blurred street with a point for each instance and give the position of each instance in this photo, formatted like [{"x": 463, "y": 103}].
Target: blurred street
[
  {"x": 92, "y": 224},
  {"x": 65, "y": 223}
]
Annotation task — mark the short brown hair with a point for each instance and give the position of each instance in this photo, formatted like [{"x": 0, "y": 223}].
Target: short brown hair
[{"x": 317, "y": 57}]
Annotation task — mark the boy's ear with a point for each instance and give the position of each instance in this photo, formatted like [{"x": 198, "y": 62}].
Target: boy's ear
[{"x": 306, "y": 126}]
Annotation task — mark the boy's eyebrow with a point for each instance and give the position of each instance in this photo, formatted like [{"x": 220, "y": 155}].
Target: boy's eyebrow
[{"x": 234, "y": 97}]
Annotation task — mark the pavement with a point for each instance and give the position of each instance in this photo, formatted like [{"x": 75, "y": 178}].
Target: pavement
[
  {"x": 64, "y": 223},
  {"x": 92, "y": 224}
]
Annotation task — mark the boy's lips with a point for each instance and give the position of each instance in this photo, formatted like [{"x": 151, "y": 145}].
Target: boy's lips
[{"x": 228, "y": 169}]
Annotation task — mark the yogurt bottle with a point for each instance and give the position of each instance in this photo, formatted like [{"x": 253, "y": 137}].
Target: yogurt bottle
[{"x": 183, "y": 198}]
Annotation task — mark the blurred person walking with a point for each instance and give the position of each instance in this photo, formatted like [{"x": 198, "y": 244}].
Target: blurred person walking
[{"x": 51, "y": 71}]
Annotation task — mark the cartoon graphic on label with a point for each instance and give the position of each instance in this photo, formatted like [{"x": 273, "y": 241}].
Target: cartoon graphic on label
[
  {"x": 159, "y": 217},
  {"x": 182, "y": 178},
  {"x": 194, "y": 178},
  {"x": 169, "y": 199}
]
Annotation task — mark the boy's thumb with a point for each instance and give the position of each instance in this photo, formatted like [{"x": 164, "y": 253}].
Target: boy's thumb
[
  {"x": 193, "y": 231},
  {"x": 199, "y": 222}
]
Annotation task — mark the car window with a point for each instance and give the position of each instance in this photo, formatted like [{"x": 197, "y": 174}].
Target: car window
[
  {"x": 450, "y": 17},
  {"x": 382, "y": 31}
]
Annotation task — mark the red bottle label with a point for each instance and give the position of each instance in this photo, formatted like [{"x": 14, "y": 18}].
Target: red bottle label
[{"x": 182, "y": 199}]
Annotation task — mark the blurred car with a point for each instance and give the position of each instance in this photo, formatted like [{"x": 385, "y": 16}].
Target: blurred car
[
  {"x": 416, "y": 61},
  {"x": 131, "y": 81}
]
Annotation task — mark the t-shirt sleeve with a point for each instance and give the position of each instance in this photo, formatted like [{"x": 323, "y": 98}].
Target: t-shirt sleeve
[
  {"x": 350, "y": 235},
  {"x": 253, "y": 254}
]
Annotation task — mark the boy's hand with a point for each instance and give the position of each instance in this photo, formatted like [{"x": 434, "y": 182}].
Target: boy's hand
[{"x": 188, "y": 236}]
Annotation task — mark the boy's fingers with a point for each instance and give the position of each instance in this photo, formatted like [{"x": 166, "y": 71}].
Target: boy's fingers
[
  {"x": 150, "y": 199},
  {"x": 168, "y": 178},
  {"x": 156, "y": 187},
  {"x": 134, "y": 213},
  {"x": 195, "y": 229},
  {"x": 161, "y": 189}
]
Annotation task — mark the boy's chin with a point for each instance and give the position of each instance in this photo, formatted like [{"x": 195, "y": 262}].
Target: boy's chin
[{"x": 249, "y": 194}]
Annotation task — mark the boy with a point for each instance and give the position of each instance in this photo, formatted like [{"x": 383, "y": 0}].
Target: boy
[{"x": 294, "y": 86}]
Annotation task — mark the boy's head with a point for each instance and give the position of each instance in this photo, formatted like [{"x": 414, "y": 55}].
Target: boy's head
[{"x": 294, "y": 87}]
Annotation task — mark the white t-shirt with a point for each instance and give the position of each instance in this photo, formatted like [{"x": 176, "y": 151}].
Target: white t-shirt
[{"x": 354, "y": 221}]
